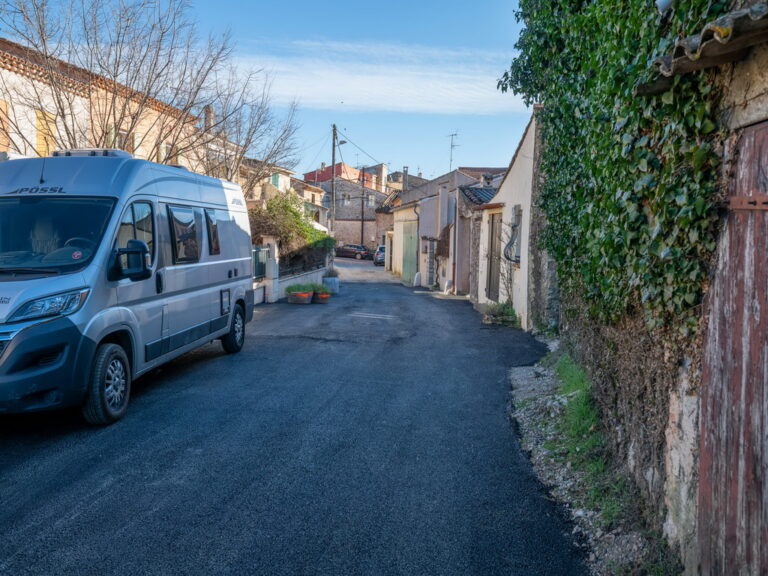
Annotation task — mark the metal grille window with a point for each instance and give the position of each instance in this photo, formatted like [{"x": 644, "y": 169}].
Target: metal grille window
[
  {"x": 260, "y": 256},
  {"x": 512, "y": 249}
]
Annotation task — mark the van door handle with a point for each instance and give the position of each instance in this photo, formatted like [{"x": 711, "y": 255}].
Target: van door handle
[{"x": 159, "y": 282}]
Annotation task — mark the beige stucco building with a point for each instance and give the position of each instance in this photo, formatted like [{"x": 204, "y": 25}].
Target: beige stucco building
[{"x": 504, "y": 238}]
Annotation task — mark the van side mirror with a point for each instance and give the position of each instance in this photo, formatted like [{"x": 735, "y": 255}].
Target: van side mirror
[{"x": 137, "y": 266}]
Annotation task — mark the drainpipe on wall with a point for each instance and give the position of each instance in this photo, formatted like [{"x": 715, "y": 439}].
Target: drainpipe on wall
[
  {"x": 455, "y": 239},
  {"x": 418, "y": 242}
]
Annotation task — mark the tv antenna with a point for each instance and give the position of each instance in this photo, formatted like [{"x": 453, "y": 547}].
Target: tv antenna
[{"x": 452, "y": 137}]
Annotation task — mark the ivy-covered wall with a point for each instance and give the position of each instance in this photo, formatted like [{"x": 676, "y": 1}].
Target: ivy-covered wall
[{"x": 630, "y": 189}]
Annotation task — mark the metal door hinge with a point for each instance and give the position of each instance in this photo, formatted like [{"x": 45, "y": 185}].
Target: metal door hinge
[{"x": 756, "y": 202}]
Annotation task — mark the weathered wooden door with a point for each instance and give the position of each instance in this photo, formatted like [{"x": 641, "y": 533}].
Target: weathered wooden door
[
  {"x": 733, "y": 482},
  {"x": 410, "y": 251},
  {"x": 494, "y": 257}
]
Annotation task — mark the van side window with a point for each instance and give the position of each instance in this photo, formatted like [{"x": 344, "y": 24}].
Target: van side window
[
  {"x": 186, "y": 235},
  {"x": 137, "y": 224},
  {"x": 214, "y": 247}
]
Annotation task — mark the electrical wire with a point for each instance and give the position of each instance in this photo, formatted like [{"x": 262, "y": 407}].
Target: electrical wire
[
  {"x": 324, "y": 140},
  {"x": 358, "y": 147}
]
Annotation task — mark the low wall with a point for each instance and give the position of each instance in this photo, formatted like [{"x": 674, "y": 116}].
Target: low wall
[
  {"x": 314, "y": 276},
  {"x": 259, "y": 292}
]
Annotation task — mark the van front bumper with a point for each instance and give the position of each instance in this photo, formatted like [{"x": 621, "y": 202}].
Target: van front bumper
[{"x": 43, "y": 366}]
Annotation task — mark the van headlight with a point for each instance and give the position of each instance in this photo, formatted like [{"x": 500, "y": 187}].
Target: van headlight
[{"x": 57, "y": 305}]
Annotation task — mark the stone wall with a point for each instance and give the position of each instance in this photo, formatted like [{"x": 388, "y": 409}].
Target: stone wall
[
  {"x": 475, "y": 255},
  {"x": 543, "y": 291},
  {"x": 634, "y": 374},
  {"x": 348, "y": 232}
]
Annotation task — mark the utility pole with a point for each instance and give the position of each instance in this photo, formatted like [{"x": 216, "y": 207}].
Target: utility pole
[
  {"x": 452, "y": 136},
  {"x": 362, "y": 208},
  {"x": 333, "y": 181}
]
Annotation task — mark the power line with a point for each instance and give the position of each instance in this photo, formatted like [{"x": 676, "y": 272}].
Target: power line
[
  {"x": 347, "y": 138},
  {"x": 324, "y": 140}
]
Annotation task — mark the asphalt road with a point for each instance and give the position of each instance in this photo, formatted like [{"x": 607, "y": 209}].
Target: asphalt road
[{"x": 366, "y": 436}]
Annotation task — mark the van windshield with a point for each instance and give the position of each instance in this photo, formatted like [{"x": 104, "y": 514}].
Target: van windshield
[{"x": 50, "y": 235}]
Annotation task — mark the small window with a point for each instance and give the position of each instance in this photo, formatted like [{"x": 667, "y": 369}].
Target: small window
[
  {"x": 214, "y": 247},
  {"x": 137, "y": 224},
  {"x": 124, "y": 141},
  {"x": 371, "y": 200},
  {"x": 185, "y": 232},
  {"x": 276, "y": 180}
]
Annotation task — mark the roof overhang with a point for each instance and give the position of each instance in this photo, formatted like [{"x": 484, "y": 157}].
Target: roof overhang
[
  {"x": 727, "y": 39},
  {"x": 492, "y": 206}
]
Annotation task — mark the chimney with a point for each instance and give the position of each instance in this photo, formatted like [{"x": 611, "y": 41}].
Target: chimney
[
  {"x": 209, "y": 117},
  {"x": 405, "y": 178},
  {"x": 382, "y": 171},
  {"x": 322, "y": 166}
]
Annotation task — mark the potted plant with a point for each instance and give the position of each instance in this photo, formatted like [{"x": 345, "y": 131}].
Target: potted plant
[
  {"x": 321, "y": 294},
  {"x": 331, "y": 280},
  {"x": 299, "y": 293}
]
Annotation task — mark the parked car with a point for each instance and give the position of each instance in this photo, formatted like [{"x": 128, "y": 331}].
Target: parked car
[
  {"x": 353, "y": 251},
  {"x": 111, "y": 269},
  {"x": 378, "y": 256}
]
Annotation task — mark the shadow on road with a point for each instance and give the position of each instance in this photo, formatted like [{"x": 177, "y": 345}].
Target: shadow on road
[{"x": 63, "y": 422}]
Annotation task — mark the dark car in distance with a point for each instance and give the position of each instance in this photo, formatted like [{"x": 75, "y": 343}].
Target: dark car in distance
[
  {"x": 378, "y": 256},
  {"x": 353, "y": 251}
]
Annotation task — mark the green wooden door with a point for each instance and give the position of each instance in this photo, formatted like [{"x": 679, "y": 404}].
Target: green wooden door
[{"x": 410, "y": 251}]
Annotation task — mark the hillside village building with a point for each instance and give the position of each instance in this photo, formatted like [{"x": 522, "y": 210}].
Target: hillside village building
[{"x": 33, "y": 123}]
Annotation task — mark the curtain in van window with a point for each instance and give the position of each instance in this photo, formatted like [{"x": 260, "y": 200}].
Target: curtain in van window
[{"x": 186, "y": 234}]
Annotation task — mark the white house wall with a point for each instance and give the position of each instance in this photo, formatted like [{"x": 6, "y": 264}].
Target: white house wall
[
  {"x": 515, "y": 191},
  {"x": 22, "y": 95},
  {"x": 429, "y": 231},
  {"x": 19, "y": 92}
]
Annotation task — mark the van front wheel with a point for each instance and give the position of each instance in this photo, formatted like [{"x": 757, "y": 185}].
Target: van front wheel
[
  {"x": 233, "y": 342},
  {"x": 109, "y": 386}
]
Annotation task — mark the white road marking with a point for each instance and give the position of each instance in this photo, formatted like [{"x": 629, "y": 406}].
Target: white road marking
[{"x": 379, "y": 316}]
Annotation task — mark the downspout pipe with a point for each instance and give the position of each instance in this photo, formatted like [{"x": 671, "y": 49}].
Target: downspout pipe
[
  {"x": 455, "y": 240},
  {"x": 416, "y": 210}
]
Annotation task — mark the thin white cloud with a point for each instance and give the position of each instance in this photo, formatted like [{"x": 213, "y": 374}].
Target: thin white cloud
[{"x": 386, "y": 77}]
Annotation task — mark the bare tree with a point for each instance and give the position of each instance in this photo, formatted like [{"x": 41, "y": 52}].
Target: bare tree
[
  {"x": 246, "y": 138},
  {"x": 134, "y": 75}
]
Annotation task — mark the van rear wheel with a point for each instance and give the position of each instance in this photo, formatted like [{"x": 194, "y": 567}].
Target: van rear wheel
[
  {"x": 233, "y": 342},
  {"x": 109, "y": 386}
]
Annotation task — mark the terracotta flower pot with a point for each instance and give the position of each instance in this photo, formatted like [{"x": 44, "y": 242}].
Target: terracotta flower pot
[
  {"x": 321, "y": 298},
  {"x": 300, "y": 297}
]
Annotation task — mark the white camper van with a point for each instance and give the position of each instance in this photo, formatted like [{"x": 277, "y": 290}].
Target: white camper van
[{"x": 109, "y": 267}]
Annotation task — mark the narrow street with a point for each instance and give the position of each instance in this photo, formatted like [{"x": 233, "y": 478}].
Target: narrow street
[{"x": 366, "y": 436}]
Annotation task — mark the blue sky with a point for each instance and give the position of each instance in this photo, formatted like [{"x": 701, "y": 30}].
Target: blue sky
[{"x": 396, "y": 77}]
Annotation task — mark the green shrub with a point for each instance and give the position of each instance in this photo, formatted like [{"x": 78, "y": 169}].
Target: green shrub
[
  {"x": 320, "y": 288},
  {"x": 503, "y": 313},
  {"x": 291, "y": 288}
]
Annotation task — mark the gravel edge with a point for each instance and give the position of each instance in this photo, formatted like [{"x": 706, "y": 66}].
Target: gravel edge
[{"x": 535, "y": 409}]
